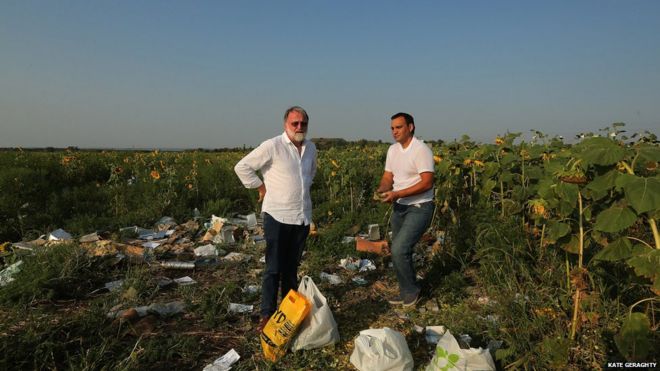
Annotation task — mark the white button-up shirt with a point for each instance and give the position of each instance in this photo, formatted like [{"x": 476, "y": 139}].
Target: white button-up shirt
[{"x": 287, "y": 174}]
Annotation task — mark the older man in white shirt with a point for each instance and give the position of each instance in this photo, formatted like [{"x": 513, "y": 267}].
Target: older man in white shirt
[{"x": 287, "y": 163}]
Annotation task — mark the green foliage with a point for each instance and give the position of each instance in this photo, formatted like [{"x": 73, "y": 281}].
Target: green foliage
[
  {"x": 615, "y": 219},
  {"x": 58, "y": 272},
  {"x": 556, "y": 230},
  {"x": 508, "y": 210},
  {"x": 214, "y": 304},
  {"x": 647, "y": 264},
  {"x": 633, "y": 339},
  {"x": 600, "y": 151},
  {"x": 617, "y": 250},
  {"x": 643, "y": 194},
  {"x": 557, "y": 349}
]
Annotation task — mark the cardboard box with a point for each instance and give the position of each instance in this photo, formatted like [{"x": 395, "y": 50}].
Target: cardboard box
[{"x": 379, "y": 247}]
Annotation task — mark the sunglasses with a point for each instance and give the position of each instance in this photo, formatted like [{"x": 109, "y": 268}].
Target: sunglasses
[{"x": 302, "y": 124}]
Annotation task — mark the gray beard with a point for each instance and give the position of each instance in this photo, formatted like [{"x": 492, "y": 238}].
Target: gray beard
[{"x": 299, "y": 137}]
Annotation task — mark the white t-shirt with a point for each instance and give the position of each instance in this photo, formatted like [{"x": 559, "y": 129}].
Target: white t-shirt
[{"x": 406, "y": 165}]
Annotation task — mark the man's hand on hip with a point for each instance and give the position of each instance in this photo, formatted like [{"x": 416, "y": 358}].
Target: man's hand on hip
[{"x": 262, "y": 192}]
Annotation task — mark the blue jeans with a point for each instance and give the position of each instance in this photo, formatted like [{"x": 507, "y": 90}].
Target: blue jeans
[
  {"x": 284, "y": 247},
  {"x": 409, "y": 222}
]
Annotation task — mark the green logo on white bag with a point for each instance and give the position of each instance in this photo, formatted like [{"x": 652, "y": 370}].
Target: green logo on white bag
[{"x": 443, "y": 360}]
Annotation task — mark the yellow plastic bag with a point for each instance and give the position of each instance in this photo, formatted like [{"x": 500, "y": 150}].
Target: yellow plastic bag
[{"x": 282, "y": 325}]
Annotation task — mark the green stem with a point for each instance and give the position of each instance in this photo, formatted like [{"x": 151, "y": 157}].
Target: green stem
[
  {"x": 576, "y": 299},
  {"x": 522, "y": 183},
  {"x": 351, "y": 188},
  {"x": 502, "y": 196},
  {"x": 638, "y": 240},
  {"x": 632, "y": 164},
  {"x": 581, "y": 236},
  {"x": 568, "y": 271},
  {"x": 576, "y": 307},
  {"x": 542, "y": 236},
  {"x": 656, "y": 236},
  {"x": 640, "y": 302}
]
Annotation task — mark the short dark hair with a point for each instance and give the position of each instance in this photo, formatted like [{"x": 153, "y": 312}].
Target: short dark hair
[
  {"x": 406, "y": 116},
  {"x": 296, "y": 109}
]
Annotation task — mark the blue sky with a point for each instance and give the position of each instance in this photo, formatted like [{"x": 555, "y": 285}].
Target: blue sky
[{"x": 189, "y": 74}]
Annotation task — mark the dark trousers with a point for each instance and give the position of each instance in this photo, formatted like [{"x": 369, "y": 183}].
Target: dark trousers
[{"x": 284, "y": 247}]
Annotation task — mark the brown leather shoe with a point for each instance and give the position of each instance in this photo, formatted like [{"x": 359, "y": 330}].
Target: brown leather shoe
[{"x": 262, "y": 323}]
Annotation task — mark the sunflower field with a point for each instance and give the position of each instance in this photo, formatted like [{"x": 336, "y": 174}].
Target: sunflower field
[{"x": 545, "y": 252}]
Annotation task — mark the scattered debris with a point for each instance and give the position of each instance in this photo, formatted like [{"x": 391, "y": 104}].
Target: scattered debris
[
  {"x": 377, "y": 247},
  {"x": 251, "y": 220},
  {"x": 259, "y": 240},
  {"x": 381, "y": 349},
  {"x": 240, "y": 308},
  {"x": 149, "y": 235},
  {"x": 7, "y": 274},
  {"x": 448, "y": 350},
  {"x": 434, "y": 333},
  {"x": 164, "y": 281},
  {"x": 374, "y": 232},
  {"x": 226, "y": 235},
  {"x": 213, "y": 228},
  {"x": 184, "y": 281},
  {"x": 332, "y": 278},
  {"x": 162, "y": 309},
  {"x": 348, "y": 239},
  {"x": 465, "y": 339},
  {"x": 166, "y": 309},
  {"x": 353, "y": 264},
  {"x": 223, "y": 363},
  {"x": 350, "y": 263},
  {"x": 237, "y": 257},
  {"x": 485, "y": 300},
  {"x": 207, "y": 251},
  {"x": 367, "y": 265},
  {"x": 114, "y": 285},
  {"x": 25, "y": 245},
  {"x": 359, "y": 280},
  {"x": 491, "y": 318},
  {"x": 165, "y": 223},
  {"x": 151, "y": 244},
  {"x": 59, "y": 235},
  {"x": 494, "y": 345},
  {"x": 177, "y": 265},
  {"x": 92, "y": 237},
  {"x": 251, "y": 289}
]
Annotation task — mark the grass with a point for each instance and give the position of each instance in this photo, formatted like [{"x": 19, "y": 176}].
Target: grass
[{"x": 496, "y": 289}]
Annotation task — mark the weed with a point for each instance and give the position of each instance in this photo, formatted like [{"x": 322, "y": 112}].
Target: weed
[{"x": 55, "y": 273}]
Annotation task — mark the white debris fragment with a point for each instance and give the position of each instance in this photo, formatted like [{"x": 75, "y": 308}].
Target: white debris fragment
[
  {"x": 185, "y": 281},
  {"x": 332, "y": 278},
  {"x": 434, "y": 333},
  {"x": 240, "y": 308},
  {"x": 223, "y": 363},
  {"x": 207, "y": 250}
]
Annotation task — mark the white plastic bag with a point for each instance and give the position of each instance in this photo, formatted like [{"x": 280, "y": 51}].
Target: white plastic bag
[
  {"x": 450, "y": 356},
  {"x": 319, "y": 327},
  {"x": 381, "y": 350}
]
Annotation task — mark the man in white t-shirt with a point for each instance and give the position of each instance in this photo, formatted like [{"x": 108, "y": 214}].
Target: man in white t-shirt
[
  {"x": 408, "y": 183},
  {"x": 287, "y": 164}
]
